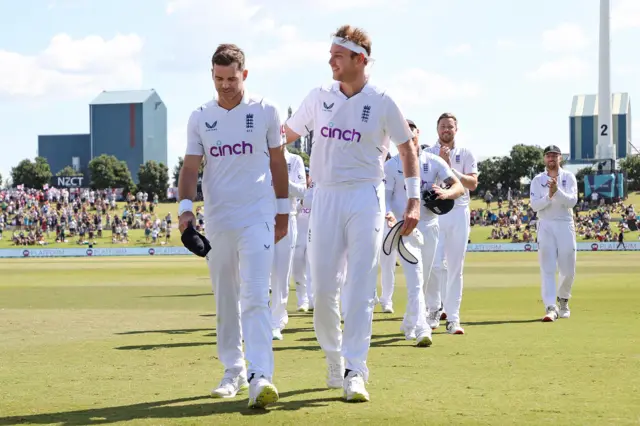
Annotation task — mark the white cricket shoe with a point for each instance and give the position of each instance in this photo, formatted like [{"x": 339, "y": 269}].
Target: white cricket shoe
[
  {"x": 433, "y": 319},
  {"x": 277, "y": 334},
  {"x": 354, "y": 390},
  {"x": 230, "y": 386},
  {"x": 335, "y": 374},
  {"x": 387, "y": 308},
  {"x": 424, "y": 339},
  {"x": 408, "y": 334},
  {"x": 262, "y": 393},
  {"x": 453, "y": 327},
  {"x": 303, "y": 308},
  {"x": 552, "y": 314},
  {"x": 565, "y": 312}
]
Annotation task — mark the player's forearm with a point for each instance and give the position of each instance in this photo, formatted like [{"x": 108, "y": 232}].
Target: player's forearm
[
  {"x": 538, "y": 204},
  {"x": 409, "y": 159},
  {"x": 388, "y": 197},
  {"x": 456, "y": 190},
  {"x": 279, "y": 173},
  {"x": 297, "y": 189},
  {"x": 290, "y": 135},
  {"x": 188, "y": 180},
  {"x": 468, "y": 181},
  {"x": 568, "y": 200}
]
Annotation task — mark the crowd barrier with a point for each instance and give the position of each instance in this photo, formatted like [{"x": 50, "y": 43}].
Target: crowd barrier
[{"x": 181, "y": 251}]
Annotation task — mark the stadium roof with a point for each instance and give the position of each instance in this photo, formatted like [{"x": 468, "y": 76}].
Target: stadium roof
[
  {"x": 587, "y": 105},
  {"x": 122, "y": 97}
]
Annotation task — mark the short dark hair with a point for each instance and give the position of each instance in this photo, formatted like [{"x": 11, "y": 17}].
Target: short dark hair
[
  {"x": 227, "y": 54},
  {"x": 445, "y": 116}
]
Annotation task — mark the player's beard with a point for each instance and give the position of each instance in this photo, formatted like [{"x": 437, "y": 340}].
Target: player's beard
[{"x": 446, "y": 140}]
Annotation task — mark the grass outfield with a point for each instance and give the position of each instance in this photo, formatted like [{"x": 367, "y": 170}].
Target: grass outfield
[
  {"x": 132, "y": 341},
  {"x": 479, "y": 234}
]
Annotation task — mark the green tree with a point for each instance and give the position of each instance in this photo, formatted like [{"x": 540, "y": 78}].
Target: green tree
[
  {"x": 176, "y": 170},
  {"x": 304, "y": 155},
  {"x": 580, "y": 175},
  {"x": 489, "y": 173},
  {"x": 31, "y": 174},
  {"x": 526, "y": 161},
  {"x": 109, "y": 172},
  {"x": 631, "y": 166},
  {"x": 153, "y": 178},
  {"x": 68, "y": 171}
]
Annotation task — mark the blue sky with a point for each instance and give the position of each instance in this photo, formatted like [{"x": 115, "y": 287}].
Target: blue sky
[{"x": 508, "y": 69}]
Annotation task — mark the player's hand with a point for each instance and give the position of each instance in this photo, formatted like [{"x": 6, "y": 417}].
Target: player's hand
[
  {"x": 282, "y": 226},
  {"x": 553, "y": 186},
  {"x": 184, "y": 220},
  {"x": 411, "y": 216},
  {"x": 443, "y": 194},
  {"x": 391, "y": 219},
  {"x": 444, "y": 154}
]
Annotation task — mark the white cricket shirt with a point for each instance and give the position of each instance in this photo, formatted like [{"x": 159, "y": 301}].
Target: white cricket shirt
[
  {"x": 433, "y": 171},
  {"x": 394, "y": 183},
  {"x": 236, "y": 183},
  {"x": 560, "y": 206},
  {"x": 297, "y": 179},
  {"x": 351, "y": 135},
  {"x": 462, "y": 160}
]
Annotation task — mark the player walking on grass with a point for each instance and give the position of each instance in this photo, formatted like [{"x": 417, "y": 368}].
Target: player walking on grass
[
  {"x": 283, "y": 256},
  {"x": 240, "y": 137},
  {"x": 353, "y": 122},
  {"x": 444, "y": 289},
  {"x": 434, "y": 172},
  {"x": 554, "y": 193},
  {"x": 395, "y": 201},
  {"x": 301, "y": 274}
]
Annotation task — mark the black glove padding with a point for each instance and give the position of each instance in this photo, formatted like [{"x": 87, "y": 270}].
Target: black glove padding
[{"x": 195, "y": 242}]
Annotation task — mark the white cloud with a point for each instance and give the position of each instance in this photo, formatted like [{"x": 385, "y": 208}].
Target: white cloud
[
  {"x": 68, "y": 68},
  {"x": 561, "y": 69},
  {"x": 460, "y": 49},
  {"x": 506, "y": 44},
  {"x": 625, "y": 14},
  {"x": 416, "y": 86},
  {"x": 565, "y": 38}
]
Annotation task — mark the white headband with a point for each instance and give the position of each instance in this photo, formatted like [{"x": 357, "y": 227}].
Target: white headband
[{"x": 348, "y": 44}]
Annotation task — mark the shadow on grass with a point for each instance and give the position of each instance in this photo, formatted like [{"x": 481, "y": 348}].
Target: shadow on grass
[
  {"x": 168, "y": 409},
  {"x": 472, "y": 323},
  {"x": 179, "y": 295},
  {"x": 178, "y": 331}
]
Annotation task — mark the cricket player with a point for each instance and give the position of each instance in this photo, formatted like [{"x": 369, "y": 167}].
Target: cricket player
[
  {"x": 283, "y": 256},
  {"x": 444, "y": 289},
  {"x": 554, "y": 193},
  {"x": 301, "y": 274},
  {"x": 245, "y": 186},
  {"x": 352, "y": 121},
  {"x": 434, "y": 172},
  {"x": 395, "y": 201}
]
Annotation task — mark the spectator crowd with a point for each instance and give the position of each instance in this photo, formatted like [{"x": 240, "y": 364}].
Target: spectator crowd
[{"x": 30, "y": 217}]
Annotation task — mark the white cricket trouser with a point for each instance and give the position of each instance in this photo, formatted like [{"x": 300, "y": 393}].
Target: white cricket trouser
[
  {"x": 445, "y": 282},
  {"x": 280, "y": 276},
  {"x": 416, "y": 277},
  {"x": 240, "y": 263},
  {"x": 388, "y": 274},
  {"x": 346, "y": 224},
  {"x": 556, "y": 249},
  {"x": 301, "y": 273}
]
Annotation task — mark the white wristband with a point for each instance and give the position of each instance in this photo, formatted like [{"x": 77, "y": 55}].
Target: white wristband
[
  {"x": 185, "y": 206},
  {"x": 413, "y": 187},
  {"x": 283, "y": 206}
]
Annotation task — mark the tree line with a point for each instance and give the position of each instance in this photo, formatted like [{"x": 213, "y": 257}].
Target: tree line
[
  {"x": 526, "y": 161},
  {"x": 106, "y": 171}
]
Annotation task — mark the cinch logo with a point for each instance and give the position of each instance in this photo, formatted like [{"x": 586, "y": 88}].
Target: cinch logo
[
  {"x": 337, "y": 133},
  {"x": 527, "y": 247},
  {"x": 89, "y": 252},
  {"x": 220, "y": 150},
  {"x": 152, "y": 251},
  {"x": 594, "y": 247}
]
